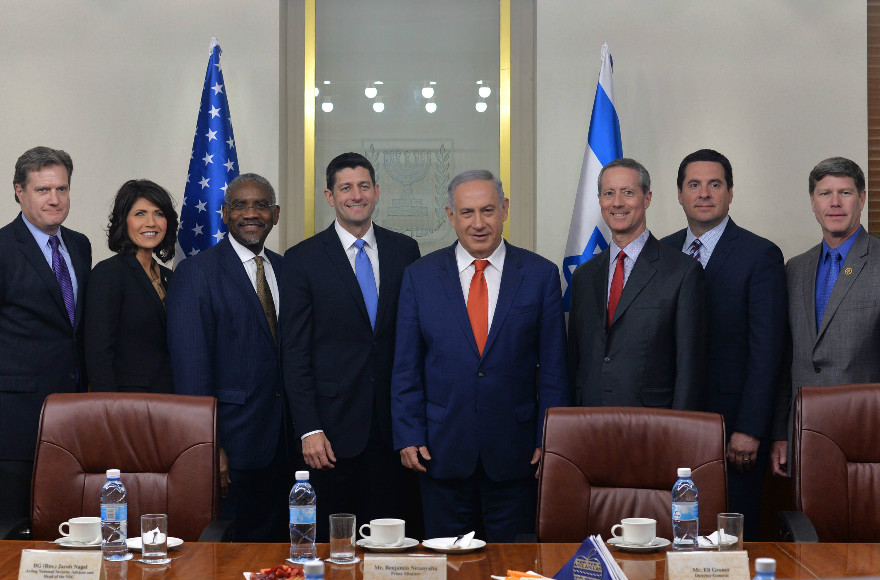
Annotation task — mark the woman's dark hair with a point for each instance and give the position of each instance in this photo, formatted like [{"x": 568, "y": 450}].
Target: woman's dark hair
[{"x": 128, "y": 194}]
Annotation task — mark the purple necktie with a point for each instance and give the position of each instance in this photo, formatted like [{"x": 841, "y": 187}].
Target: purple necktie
[{"x": 63, "y": 276}]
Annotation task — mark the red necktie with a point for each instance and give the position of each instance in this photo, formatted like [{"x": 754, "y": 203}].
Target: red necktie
[
  {"x": 478, "y": 304},
  {"x": 616, "y": 287}
]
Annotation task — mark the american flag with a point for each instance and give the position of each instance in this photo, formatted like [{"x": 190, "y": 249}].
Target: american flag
[{"x": 213, "y": 164}]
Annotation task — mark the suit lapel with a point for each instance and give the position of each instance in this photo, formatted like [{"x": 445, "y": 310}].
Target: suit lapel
[
  {"x": 81, "y": 266},
  {"x": 600, "y": 285},
  {"x": 387, "y": 265},
  {"x": 31, "y": 251},
  {"x": 722, "y": 250},
  {"x": 337, "y": 261},
  {"x": 511, "y": 278},
  {"x": 642, "y": 272},
  {"x": 856, "y": 259},
  {"x": 236, "y": 274},
  {"x": 451, "y": 283},
  {"x": 808, "y": 286},
  {"x": 146, "y": 285}
]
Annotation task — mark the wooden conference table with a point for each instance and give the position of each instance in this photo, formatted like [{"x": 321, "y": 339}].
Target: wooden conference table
[{"x": 228, "y": 561}]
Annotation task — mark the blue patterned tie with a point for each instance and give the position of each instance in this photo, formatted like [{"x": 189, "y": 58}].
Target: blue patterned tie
[
  {"x": 828, "y": 284},
  {"x": 363, "y": 269},
  {"x": 63, "y": 276},
  {"x": 695, "y": 250}
]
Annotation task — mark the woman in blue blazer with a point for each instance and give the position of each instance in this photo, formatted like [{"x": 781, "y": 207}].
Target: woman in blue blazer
[{"x": 125, "y": 327}]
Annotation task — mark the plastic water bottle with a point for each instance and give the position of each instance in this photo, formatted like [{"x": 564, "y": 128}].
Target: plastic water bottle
[
  {"x": 685, "y": 512},
  {"x": 314, "y": 570},
  {"x": 302, "y": 520},
  {"x": 114, "y": 518},
  {"x": 765, "y": 569}
]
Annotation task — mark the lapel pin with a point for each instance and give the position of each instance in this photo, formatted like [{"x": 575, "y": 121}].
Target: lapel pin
[{"x": 848, "y": 271}]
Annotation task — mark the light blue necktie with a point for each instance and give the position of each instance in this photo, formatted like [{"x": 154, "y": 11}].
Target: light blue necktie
[
  {"x": 363, "y": 269},
  {"x": 828, "y": 284}
]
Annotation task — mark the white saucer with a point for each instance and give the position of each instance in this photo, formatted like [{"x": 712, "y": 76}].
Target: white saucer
[
  {"x": 442, "y": 545},
  {"x": 134, "y": 544},
  {"x": 406, "y": 544},
  {"x": 73, "y": 545},
  {"x": 655, "y": 545}
]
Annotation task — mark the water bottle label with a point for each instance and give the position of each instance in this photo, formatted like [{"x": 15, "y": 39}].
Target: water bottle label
[
  {"x": 114, "y": 513},
  {"x": 302, "y": 515},
  {"x": 684, "y": 511}
]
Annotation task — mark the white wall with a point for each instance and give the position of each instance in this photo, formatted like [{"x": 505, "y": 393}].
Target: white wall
[
  {"x": 775, "y": 85},
  {"x": 117, "y": 85}
]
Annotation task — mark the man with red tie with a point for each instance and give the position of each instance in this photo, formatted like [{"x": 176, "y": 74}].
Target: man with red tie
[
  {"x": 636, "y": 329},
  {"x": 480, "y": 357}
]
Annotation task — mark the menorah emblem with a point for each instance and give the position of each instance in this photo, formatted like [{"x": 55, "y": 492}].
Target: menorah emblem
[{"x": 407, "y": 168}]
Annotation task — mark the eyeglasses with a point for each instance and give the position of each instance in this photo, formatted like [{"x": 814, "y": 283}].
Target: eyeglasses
[{"x": 239, "y": 205}]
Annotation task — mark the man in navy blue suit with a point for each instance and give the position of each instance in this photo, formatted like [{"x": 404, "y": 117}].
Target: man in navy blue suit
[
  {"x": 747, "y": 317},
  {"x": 339, "y": 349},
  {"x": 480, "y": 357},
  {"x": 223, "y": 338},
  {"x": 44, "y": 268}
]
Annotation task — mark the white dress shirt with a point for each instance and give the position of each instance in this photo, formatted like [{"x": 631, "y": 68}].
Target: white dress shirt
[
  {"x": 708, "y": 241},
  {"x": 632, "y": 251},
  {"x": 351, "y": 250},
  {"x": 250, "y": 266},
  {"x": 492, "y": 273}
]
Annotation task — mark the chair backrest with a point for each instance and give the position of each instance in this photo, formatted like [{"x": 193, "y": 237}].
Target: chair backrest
[
  {"x": 836, "y": 454},
  {"x": 165, "y": 446},
  {"x": 602, "y": 464}
]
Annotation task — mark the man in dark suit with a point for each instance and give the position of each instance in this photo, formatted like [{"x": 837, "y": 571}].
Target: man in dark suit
[
  {"x": 480, "y": 357},
  {"x": 747, "y": 317},
  {"x": 44, "y": 269},
  {"x": 223, "y": 338},
  {"x": 339, "y": 348},
  {"x": 636, "y": 328},
  {"x": 833, "y": 308}
]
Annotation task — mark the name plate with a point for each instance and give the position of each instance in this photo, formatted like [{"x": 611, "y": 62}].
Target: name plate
[
  {"x": 709, "y": 565},
  {"x": 414, "y": 567},
  {"x": 46, "y": 565}
]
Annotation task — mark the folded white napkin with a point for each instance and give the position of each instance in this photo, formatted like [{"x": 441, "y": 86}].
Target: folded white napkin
[
  {"x": 712, "y": 539},
  {"x": 465, "y": 542}
]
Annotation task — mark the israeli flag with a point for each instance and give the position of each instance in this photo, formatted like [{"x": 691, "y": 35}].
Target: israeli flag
[{"x": 588, "y": 234}]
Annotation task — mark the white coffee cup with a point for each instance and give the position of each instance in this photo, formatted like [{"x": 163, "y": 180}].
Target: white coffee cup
[
  {"x": 384, "y": 531},
  {"x": 637, "y": 531},
  {"x": 85, "y": 530}
]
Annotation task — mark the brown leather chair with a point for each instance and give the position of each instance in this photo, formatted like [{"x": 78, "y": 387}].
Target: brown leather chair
[
  {"x": 165, "y": 446},
  {"x": 601, "y": 464},
  {"x": 836, "y": 455}
]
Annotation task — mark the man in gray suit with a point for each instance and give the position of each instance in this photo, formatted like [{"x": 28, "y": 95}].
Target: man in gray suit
[
  {"x": 636, "y": 334},
  {"x": 833, "y": 310}
]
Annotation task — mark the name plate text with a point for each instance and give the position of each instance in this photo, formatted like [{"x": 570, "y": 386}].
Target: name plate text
[
  {"x": 414, "y": 567},
  {"x": 50, "y": 565}
]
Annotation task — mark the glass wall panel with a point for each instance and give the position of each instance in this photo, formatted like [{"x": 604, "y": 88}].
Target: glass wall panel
[{"x": 413, "y": 86}]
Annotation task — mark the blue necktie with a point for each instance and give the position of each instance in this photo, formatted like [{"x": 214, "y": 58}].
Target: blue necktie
[
  {"x": 828, "y": 284},
  {"x": 363, "y": 269},
  {"x": 63, "y": 276}
]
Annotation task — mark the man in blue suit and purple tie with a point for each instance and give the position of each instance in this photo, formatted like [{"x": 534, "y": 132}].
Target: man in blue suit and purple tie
[
  {"x": 480, "y": 357},
  {"x": 223, "y": 337},
  {"x": 746, "y": 323}
]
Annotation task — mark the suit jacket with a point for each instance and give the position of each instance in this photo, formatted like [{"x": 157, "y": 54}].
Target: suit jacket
[
  {"x": 221, "y": 346},
  {"x": 747, "y": 317},
  {"x": 325, "y": 322},
  {"x": 845, "y": 348},
  {"x": 653, "y": 353},
  {"x": 465, "y": 407},
  {"x": 40, "y": 352},
  {"x": 125, "y": 330}
]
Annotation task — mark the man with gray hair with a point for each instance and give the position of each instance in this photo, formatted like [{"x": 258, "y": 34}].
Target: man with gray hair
[
  {"x": 224, "y": 342},
  {"x": 480, "y": 357},
  {"x": 636, "y": 329},
  {"x": 44, "y": 268},
  {"x": 833, "y": 311}
]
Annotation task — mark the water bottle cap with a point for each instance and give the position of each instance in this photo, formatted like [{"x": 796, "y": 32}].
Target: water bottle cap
[
  {"x": 684, "y": 471},
  {"x": 302, "y": 475},
  {"x": 765, "y": 565},
  {"x": 114, "y": 474},
  {"x": 314, "y": 567}
]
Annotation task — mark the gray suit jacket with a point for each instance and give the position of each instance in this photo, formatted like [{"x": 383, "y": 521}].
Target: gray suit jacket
[
  {"x": 846, "y": 348},
  {"x": 653, "y": 355}
]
